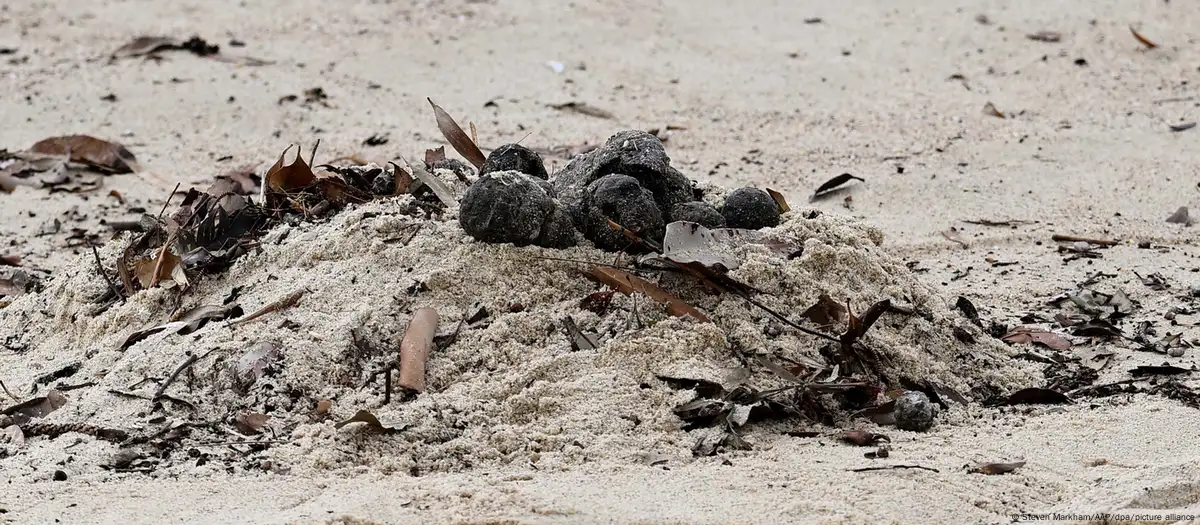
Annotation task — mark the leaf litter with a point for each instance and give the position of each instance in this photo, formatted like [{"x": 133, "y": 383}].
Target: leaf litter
[{"x": 303, "y": 224}]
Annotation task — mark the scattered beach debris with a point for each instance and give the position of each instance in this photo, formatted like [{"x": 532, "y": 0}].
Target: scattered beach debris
[
  {"x": 1183, "y": 126},
  {"x": 990, "y": 110},
  {"x": 833, "y": 185},
  {"x": 152, "y": 47},
  {"x": 995, "y": 469},
  {"x": 1141, "y": 39},
  {"x": 1036, "y": 396},
  {"x": 862, "y": 438},
  {"x": 372, "y": 422},
  {"x": 1181, "y": 216},
  {"x": 1027, "y": 335},
  {"x": 414, "y": 348},
  {"x": 1045, "y": 36},
  {"x": 584, "y": 109},
  {"x": 630, "y": 284}
]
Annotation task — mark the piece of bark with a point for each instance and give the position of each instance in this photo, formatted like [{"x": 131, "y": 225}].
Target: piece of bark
[{"x": 414, "y": 348}]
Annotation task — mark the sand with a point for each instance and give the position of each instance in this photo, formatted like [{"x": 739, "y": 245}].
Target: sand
[{"x": 766, "y": 99}]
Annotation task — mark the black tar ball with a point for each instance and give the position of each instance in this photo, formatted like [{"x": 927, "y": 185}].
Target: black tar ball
[
  {"x": 515, "y": 157},
  {"x": 751, "y": 209}
]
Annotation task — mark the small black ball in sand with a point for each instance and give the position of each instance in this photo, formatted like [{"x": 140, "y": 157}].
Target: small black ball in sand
[
  {"x": 515, "y": 157},
  {"x": 914, "y": 411},
  {"x": 512, "y": 207},
  {"x": 751, "y": 209}
]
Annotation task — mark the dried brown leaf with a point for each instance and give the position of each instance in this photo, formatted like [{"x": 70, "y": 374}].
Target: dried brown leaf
[
  {"x": 580, "y": 340},
  {"x": 250, "y": 423},
  {"x": 994, "y": 469},
  {"x": 629, "y": 284},
  {"x": 826, "y": 313},
  {"x": 84, "y": 149},
  {"x": 145, "y": 45},
  {"x": 10, "y": 260},
  {"x": 457, "y": 137},
  {"x": 253, "y": 364},
  {"x": 403, "y": 179},
  {"x": 1141, "y": 39},
  {"x": 990, "y": 110},
  {"x": 433, "y": 156},
  {"x": 364, "y": 416},
  {"x": 779, "y": 200},
  {"x": 171, "y": 269},
  {"x": 1025, "y": 335},
  {"x": 294, "y": 176},
  {"x": 584, "y": 109},
  {"x": 832, "y": 184},
  {"x": 35, "y": 408}
]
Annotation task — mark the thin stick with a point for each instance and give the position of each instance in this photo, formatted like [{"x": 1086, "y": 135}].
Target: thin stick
[
  {"x": 10, "y": 394},
  {"x": 164, "y": 208},
  {"x": 414, "y": 348},
  {"x": 287, "y": 301},
  {"x": 387, "y": 385},
  {"x": 100, "y": 267},
  {"x": 891, "y": 467},
  {"x": 191, "y": 360},
  {"x": 1072, "y": 238},
  {"x": 312, "y": 157}
]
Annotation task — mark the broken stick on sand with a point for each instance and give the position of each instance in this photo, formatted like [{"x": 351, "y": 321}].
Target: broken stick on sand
[{"x": 414, "y": 348}]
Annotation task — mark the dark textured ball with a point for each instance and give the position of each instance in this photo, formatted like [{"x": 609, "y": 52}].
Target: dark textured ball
[
  {"x": 512, "y": 207},
  {"x": 515, "y": 157},
  {"x": 751, "y": 209},
  {"x": 914, "y": 411},
  {"x": 698, "y": 212},
  {"x": 622, "y": 199}
]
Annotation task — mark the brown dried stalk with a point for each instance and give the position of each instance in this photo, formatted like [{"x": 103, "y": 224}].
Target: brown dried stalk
[{"x": 414, "y": 348}]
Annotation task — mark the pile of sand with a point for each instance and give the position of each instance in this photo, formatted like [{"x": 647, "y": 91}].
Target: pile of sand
[{"x": 509, "y": 389}]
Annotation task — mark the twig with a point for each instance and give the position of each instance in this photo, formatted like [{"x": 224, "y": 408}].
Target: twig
[
  {"x": 10, "y": 394},
  {"x": 387, "y": 385},
  {"x": 287, "y": 301},
  {"x": 414, "y": 348},
  {"x": 890, "y": 467},
  {"x": 191, "y": 360},
  {"x": 227, "y": 443},
  {"x": 1072, "y": 238},
  {"x": 164, "y": 208},
  {"x": 100, "y": 267}
]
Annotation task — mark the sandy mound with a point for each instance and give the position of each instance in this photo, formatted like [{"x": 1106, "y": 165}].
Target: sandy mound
[{"x": 509, "y": 388}]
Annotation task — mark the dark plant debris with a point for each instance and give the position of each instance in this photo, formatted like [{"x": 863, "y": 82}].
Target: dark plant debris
[{"x": 832, "y": 185}]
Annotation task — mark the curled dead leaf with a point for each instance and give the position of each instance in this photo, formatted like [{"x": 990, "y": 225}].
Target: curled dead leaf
[
  {"x": 97, "y": 153},
  {"x": 250, "y": 423},
  {"x": 372, "y": 422}
]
